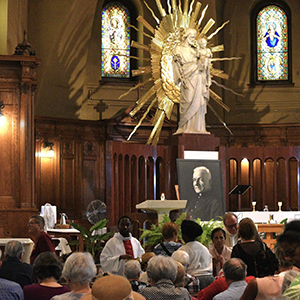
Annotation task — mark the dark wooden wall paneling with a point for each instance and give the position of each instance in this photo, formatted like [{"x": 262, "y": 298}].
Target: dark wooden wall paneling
[
  {"x": 89, "y": 165},
  {"x": 76, "y": 174},
  {"x": 272, "y": 171},
  {"x": 17, "y": 86},
  {"x": 132, "y": 176}
]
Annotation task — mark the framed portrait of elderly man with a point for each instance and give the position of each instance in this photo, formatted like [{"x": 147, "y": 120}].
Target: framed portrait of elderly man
[{"x": 200, "y": 182}]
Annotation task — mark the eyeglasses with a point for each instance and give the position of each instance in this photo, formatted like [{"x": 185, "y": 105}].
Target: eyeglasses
[
  {"x": 231, "y": 226},
  {"x": 31, "y": 223},
  {"x": 291, "y": 252}
]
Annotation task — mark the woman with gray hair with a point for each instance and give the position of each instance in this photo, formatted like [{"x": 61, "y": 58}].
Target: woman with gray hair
[
  {"x": 42, "y": 241},
  {"x": 182, "y": 257},
  {"x": 132, "y": 273},
  {"x": 191, "y": 283},
  {"x": 79, "y": 270},
  {"x": 13, "y": 268},
  {"x": 162, "y": 272}
]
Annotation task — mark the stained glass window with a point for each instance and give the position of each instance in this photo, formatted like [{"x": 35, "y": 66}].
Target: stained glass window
[
  {"x": 115, "y": 49},
  {"x": 272, "y": 44}
]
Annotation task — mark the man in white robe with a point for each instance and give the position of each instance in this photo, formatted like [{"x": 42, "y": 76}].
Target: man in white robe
[{"x": 120, "y": 248}]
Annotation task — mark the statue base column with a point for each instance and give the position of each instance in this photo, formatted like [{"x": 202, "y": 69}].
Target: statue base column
[{"x": 193, "y": 142}]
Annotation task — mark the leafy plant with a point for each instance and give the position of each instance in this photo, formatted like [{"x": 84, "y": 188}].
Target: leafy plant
[
  {"x": 208, "y": 227},
  {"x": 154, "y": 236},
  {"x": 93, "y": 242},
  {"x": 283, "y": 221}
]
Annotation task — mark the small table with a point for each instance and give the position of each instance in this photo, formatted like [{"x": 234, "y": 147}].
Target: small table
[
  {"x": 70, "y": 234},
  {"x": 162, "y": 206},
  {"x": 270, "y": 229}
]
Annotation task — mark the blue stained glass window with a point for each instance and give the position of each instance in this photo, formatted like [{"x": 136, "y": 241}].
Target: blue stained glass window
[
  {"x": 272, "y": 44},
  {"x": 115, "y": 41}
]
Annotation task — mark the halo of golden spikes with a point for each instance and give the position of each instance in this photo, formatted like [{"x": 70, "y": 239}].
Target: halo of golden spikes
[{"x": 171, "y": 25}]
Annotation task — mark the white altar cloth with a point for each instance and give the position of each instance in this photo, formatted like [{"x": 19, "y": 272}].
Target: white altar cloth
[{"x": 264, "y": 216}]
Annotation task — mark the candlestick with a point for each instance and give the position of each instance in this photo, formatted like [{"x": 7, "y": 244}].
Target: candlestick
[
  {"x": 253, "y": 205},
  {"x": 279, "y": 206}
]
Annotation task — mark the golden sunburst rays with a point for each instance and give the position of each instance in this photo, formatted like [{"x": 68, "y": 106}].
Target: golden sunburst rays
[
  {"x": 171, "y": 23},
  {"x": 218, "y": 29},
  {"x": 202, "y": 15},
  {"x": 136, "y": 87}
]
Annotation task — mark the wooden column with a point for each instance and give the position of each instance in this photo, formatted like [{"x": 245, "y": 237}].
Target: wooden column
[{"x": 17, "y": 86}]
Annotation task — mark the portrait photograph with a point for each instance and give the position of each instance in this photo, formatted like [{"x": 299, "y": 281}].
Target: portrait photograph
[{"x": 200, "y": 183}]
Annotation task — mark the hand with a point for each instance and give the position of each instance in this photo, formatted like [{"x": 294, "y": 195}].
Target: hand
[
  {"x": 201, "y": 66},
  {"x": 125, "y": 256},
  {"x": 180, "y": 241},
  {"x": 219, "y": 258}
]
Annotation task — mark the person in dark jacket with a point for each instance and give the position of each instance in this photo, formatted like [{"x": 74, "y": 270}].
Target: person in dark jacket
[{"x": 13, "y": 268}]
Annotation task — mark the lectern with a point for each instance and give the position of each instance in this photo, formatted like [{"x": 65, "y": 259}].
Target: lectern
[{"x": 162, "y": 206}]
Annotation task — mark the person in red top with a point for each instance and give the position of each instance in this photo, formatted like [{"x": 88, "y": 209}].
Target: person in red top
[
  {"x": 42, "y": 241},
  {"x": 47, "y": 269},
  {"x": 218, "y": 286}
]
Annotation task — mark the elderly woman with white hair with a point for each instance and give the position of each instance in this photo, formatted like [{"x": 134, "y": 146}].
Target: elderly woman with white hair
[
  {"x": 132, "y": 273},
  {"x": 191, "y": 283},
  {"x": 182, "y": 257},
  {"x": 162, "y": 272},
  {"x": 79, "y": 270}
]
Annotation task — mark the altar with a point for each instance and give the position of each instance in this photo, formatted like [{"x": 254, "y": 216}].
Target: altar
[
  {"x": 264, "y": 216},
  {"x": 269, "y": 229}
]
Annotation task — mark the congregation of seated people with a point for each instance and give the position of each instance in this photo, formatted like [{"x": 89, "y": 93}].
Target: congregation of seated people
[{"x": 174, "y": 270}]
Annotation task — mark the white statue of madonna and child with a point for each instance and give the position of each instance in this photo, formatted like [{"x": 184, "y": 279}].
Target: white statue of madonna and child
[{"x": 191, "y": 68}]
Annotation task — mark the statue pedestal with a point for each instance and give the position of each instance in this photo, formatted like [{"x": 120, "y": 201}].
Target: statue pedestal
[
  {"x": 162, "y": 207},
  {"x": 193, "y": 142}
]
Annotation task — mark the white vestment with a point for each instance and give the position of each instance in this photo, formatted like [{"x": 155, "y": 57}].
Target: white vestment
[
  {"x": 109, "y": 258},
  {"x": 231, "y": 239},
  {"x": 200, "y": 259}
]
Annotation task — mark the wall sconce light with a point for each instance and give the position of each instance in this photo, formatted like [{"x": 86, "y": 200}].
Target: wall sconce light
[
  {"x": 2, "y": 118},
  {"x": 50, "y": 146},
  {"x": 47, "y": 149}
]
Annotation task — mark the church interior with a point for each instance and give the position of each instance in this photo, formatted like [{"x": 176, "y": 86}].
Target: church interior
[{"x": 56, "y": 94}]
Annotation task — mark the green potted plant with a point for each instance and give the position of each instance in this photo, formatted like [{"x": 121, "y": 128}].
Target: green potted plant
[
  {"x": 208, "y": 227},
  {"x": 93, "y": 242},
  {"x": 154, "y": 236}
]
